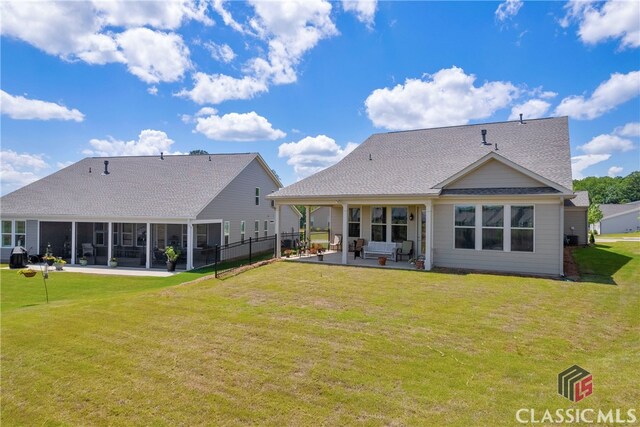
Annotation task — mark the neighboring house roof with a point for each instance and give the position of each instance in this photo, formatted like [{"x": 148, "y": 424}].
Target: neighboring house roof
[
  {"x": 179, "y": 186},
  {"x": 415, "y": 162},
  {"x": 610, "y": 210},
  {"x": 580, "y": 201}
]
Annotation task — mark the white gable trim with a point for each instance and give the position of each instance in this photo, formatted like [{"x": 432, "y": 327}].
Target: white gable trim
[{"x": 494, "y": 156}]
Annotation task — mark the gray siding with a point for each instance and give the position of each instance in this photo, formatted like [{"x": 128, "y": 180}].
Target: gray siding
[
  {"x": 576, "y": 218},
  {"x": 621, "y": 224},
  {"x": 320, "y": 218},
  {"x": 31, "y": 243},
  {"x": 336, "y": 221},
  {"x": 545, "y": 259},
  {"x": 494, "y": 174},
  {"x": 236, "y": 203}
]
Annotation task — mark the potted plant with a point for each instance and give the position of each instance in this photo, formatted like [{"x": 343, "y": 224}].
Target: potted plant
[
  {"x": 59, "y": 263},
  {"x": 113, "y": 263},
  {"x": 420, "y": 263},
  {"x": 382, "y": 260},
  {"x": 320, "y": 251},
  {"x": 172, "y": 256},
  {"x": 49, "y": 259},
  {"x": 287, "y": 253},
  {"x": 83, "y": 261}
]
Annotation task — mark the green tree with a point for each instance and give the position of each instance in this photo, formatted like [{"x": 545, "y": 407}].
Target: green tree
[
  {"x": 196, "y": 152},
  {"x": 594, "y": 214}
]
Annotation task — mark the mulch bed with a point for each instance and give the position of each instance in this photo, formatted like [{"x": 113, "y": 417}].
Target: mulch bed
[{"x": 570, "y": 266}]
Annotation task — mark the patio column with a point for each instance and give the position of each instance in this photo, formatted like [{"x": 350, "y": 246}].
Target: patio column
[
  {"x": 307, "y": 223},
  {"x": 148, "y": 249},
  {"x": 428, "y": 244},
  {"x": 189, "y": 245},
  {"x": 73, "y": 242},
  {"x": 109, "y": 242},
  {"x": 345, "y": 232},
  {"x": 278, "y": 237}
]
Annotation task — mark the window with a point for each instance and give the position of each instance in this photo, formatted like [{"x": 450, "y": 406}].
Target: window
[
  {"x": 99, "y": 233},
  {"x": 257, "y": 196},
  {"x": 493, "y": 228},
  {"x": 266, "y": 228},
  {"x": 201, "y": 235},
  {"x": 378, "y": 224},
  {"x": 399, "y": 218},
  {"x": 465, "y": 227},
  {"x": 185, "y": 236},
  {"x": 14, "y": 233},
  {"x": 522, "y": 228},
  {"x": 115, "y": 227},
  {"x": 354, "y": 222},
  {"x": 242, "y": 231},
  {"x": 256, "y": 230},
  {"x": 127, "y": 234},
  {"x": 141, "y": 234},
  {"x": 227, "y": 226},
  {"x": 160, "y": 235}
]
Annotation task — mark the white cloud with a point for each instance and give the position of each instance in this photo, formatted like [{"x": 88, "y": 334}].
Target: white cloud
[
  {"x": 237, "y": 127},
  {"x": 313, "y": 154},
  {"x": 21, "y": 108},
  {"x": 599, "y": 22},
  {"x": 619, "y": 89},
  {"x": 206, "y": 111},
  {"x": 217, "y": 88},
  {"x": 532, "y": 109},
  {"x": 150, "y": 142},
  {"x": 508, "y": 9},
  {"x": 19, "y": 169},
  {"x": 447, "y": 97},
  {"x": 218, "y": 6},
  {"x": 365, "y": 10},
  {"x": 152, "y": 90},
  {"x": 603, "y": 144},
  {"x": 615, "y": 171},
  {"x": 220, "y": 52},
  {"x": 580, "y": 163},
  {"x": 154, "y": 56},
  {"x": 87, "y": 31},
  {"x": 630, "y": 129}
]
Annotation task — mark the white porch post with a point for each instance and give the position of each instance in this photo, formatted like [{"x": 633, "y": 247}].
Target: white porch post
[
  {"x": 148, "y": 263},
  {"x": 109, "y": 242},
  {"x": 307, "y": 223},
  {"x": 428, "y": 244},
  {"x": 73, "y": 242},
  {"x": 277, "y": 230},
  {"x": 189, "y": 245},
  {"x": 345, "y": 231},
  {"x": 561, "y": 236}
]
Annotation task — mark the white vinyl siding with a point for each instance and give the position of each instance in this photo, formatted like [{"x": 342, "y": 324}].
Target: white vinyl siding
[
  {"x": 494, "y": 174},
  {"x": 545, "y": 259}
]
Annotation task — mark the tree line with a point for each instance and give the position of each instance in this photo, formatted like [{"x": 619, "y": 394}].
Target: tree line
[{"x": 607, "y": 190}]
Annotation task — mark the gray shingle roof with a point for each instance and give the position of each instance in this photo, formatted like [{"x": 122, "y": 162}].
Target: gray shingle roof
[
  {"x": 611, "y": 209},
  {"x": 144, "y": 186},
  {"x": 581, "y": 200},
  {"x": 413, "y": 162}
]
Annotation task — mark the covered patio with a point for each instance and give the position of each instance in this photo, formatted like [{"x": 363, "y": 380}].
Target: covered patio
[{"x": 335, "y": 258}]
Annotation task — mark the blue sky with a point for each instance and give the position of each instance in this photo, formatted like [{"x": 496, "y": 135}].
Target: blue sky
[{"x": 303, "y": 83}]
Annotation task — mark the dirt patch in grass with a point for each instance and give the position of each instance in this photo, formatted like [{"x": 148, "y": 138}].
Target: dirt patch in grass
[{"x": 570, "y": 265}]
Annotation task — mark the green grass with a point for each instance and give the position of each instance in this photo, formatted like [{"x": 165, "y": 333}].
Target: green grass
[
  {"x": 619, "y": 235},
  {"x": 301, "y": 344}
]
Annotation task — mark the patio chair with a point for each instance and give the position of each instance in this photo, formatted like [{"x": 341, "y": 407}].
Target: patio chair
[
  {"x": 406, "y": 249},
  {"x": 88, "y": 249},
  {"x": 357, "y": 250},
  {"x": 337, "y": 243}
]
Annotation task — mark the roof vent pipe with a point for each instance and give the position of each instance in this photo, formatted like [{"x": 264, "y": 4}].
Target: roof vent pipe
[
  {"x": 209, "y": 158},
  {"x": 89, "y": 170},
  {"x": 370, "y": 157},
  {"x": 521, "y": 122},
  {"x": 106, "y": 168},
  {"x": 484, "y": 137},
  {"x": 161, "y": 155}
]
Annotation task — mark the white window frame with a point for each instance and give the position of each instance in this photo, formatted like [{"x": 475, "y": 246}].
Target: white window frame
[
  {"x": 257, "y": 195},
  {"x": 385, "y": 223},
  {"x": 242, "y": 231},
  {"x": 104, "y": 233},
  {"x": 226, "y": 229},
  {"x": 359, "y": 222},
  {"x": 406, "y": 225},
  {"x": 256, "y": 229},
  {"x": 14, "y": 233},
  {"x": 474, "y": 226},
  {"x": 504, "y": 210},
  {"x": 511, "y": 228},
  {"x": 266, "y": 228}
]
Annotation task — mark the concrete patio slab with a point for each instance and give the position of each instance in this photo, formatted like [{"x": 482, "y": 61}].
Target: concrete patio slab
[{"x": 95, "y": 269}]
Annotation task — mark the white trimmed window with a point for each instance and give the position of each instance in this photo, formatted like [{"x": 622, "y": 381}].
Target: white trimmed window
[
  {"x": 227, "y": 226},
  {"x": 266, "y": 228},
  {"x": 242, "y": 229},
  {"x": 99, "y": 232},
  {"x": 465, "y": 227},
  {"x": 522, "y": 228},
  {"x": 493, "y": 227},
  {"x": 256, "y": 229},
  {"x": 399, "y": 221},
  {"x": 354, "y": 223},
  {"x": 14, "y": 233},
  {"x": 378, "y": 224},
  {"x": 257, "y": 196}
]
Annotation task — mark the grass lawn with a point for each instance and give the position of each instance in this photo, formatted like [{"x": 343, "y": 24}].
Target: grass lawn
[
  {"x": 302, "y": 344},
  {"x": 619, "y": 235}
]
